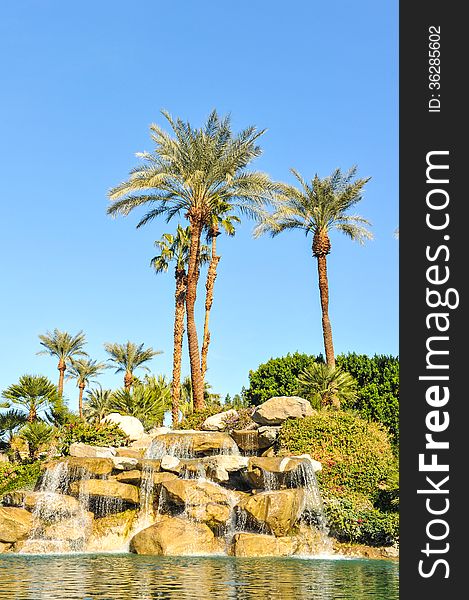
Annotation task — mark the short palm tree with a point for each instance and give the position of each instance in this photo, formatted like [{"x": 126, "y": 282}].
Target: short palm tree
[
  {"x": 97, "y": 404},
  {"x": 128, "y": 357},
  {"x": 37, "y": 434},
  {"x": 10, "y": 421},
  {"x": 325, "y": 386},
  {"x": 192, "y": 173},
  {"x": 84, "y": 370},
  {"x": 33, "y": 392},
  {"x": 175, "y": 248},
  {"x": 63, "y": 346},
  {"x": 317, "y": 207},
  {"x": 225, "y": 222},
  {"x": 147, "y": 401}
]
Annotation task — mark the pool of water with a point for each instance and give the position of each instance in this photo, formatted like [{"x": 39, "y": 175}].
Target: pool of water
[{"x": 133, "y": 577}]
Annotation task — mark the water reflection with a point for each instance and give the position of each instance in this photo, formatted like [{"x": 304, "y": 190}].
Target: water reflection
[{"x": 131, "y": 577}]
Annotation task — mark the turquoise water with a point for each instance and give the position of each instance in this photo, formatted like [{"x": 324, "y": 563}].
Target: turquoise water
[{"x": 132, "y": 577}]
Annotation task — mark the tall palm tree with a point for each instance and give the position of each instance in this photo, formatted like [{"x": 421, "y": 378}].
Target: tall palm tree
[
  {"x": 83, "y": 370},
  {"x": 128, "y": 357},
  {"x": 33, "y": 392},
  {"x": 317, "y": 207},
  {"x": 192, "y": 172},
  {"x": 175, "y": 248},
  {"x": 225, "y": 222},
  {"x": 63, "y": 346}
]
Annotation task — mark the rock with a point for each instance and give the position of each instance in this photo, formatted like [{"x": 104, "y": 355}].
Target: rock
[
  {"x": 143, "y": 443},
  {"x": 133, "y": 477},
  {"x": 199, "y": 442},
  {"x": 15, "y": 524},
  {"x": 218, "y": 468},
  {"x": 170, "y": 463},
  {"x": 86, "y": 451},
  {"x": 111, "y": 531},
  {"x": 275, "y": 471},
  {"x": 103, "y": 488},
  {"x": 212, "y": 514},
  {"x": 218, "y": 422},
  {"x": 256, "y": 544},
  {"x": 193, "y": 492},
  {"x": 317, "y": 466},
  {"x": 52, "y": 505},
  {"x": 278, "y": 510},
  {"x": 124, "y": 463},
  {"x": 152, "y": 464},
  {"x": 4, "y": 547},
  {"x": 267, "y": 435},
  {"x": 280, "y": 408},
  {"x": 72, "y": 529},
  {"x": 247, "y": 439},
  {"x": 172, "y": 536},
  {"x": 95, "y": 467},
  {"x": 131, "y": 426},
  {"x": 158, "y": 431},
  {"x": 130, "y": 452}
]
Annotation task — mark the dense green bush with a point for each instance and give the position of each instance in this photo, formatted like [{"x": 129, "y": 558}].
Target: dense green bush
[
  {"x": 195, "y": 419},
  {"x": 16, "y": 476},
  {"x": 277, "y": 377},
  {"x": 356, "y": 455},
  {"x": 101, "y": 434}
]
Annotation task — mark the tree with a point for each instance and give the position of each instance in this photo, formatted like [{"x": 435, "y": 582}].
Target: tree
[
  {"x": 128, "y": 357},
  {"x": 194, "y": 173},
  {"x": 37, "y": 434},
  {"x": 33, "y": 392},
  {"x": 317, "y": 208},
  {"x": 225, "y": 222},
  {"x": 63, "y": 346},
  {"x": 10, "y": 421},
  {"x": 175, "y": 248},
  {"x": 97, "y": 404},
  {"x": 83, "y": 370},
  {"x": 326, "y": 386}
]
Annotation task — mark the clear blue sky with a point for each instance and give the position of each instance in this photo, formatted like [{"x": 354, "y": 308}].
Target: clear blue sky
[{"x": 81, "y": 83}]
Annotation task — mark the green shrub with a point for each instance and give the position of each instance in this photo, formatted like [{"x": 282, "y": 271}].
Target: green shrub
[
  {"x": 101, "y": 434},
  {"x": 349, "y": 523},
  {"x": 356, "y": 455},
  {"x": 16, "y": 476},
  {"x": 195, "y": 419}
]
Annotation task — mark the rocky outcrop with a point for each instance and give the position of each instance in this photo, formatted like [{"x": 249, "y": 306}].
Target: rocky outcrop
[
  {"x": 218, "y": 422},
  {"x": 194, "y": 492},
  {"x": 70, "y": 529},
  {"x": 200, "y": 443},
  {"x": 131, "y": 426},
  {"x": 111, "y": 531},
  {"x": 280, "y": 408},
  {"x": 102, "y": 488},
  {"x": 256, "y": 544},
  {"x": 77, "y": 466},
  {"x": 15, "y": 524},
  {"x": 248, "y": 440},
  {"x": 277, "y": 510},
  {"x": 172, "y": 536},
  {"x": 81, "y": 450},
  {"x": 59, "y": 505}
]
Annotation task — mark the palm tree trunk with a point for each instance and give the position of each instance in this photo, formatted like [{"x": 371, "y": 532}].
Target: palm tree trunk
[
  {"x": 81, "y": 387},
  {"x": 191, "y": 295},
  {"x": 326, "y": 324},
  {"x": 211, "y": 276},
  {"x": 128, "y": 379},
  {"x": 61, "y": 367},
  {"x": 32, "y": 414},
  {"x": 181, "y": 285}
]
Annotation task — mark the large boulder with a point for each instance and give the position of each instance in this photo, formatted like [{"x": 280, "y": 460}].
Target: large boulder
[
  {"x": 218, "y": 422},
  {"x": 248, "y": 440},
  {"x": 274, "y": 472},
  {"x": 197, "y": 443},
  {"x": 15, "y": 524},
  {"x": 103, "y": 488},
  {"x": 257, "y": 544},
  {"x": 86, "y": 451},
  {"x": 51, "y": 505},
  {"x": 218, "y": 468},
  {"x": 131, "y": 426},
  {"x": 72, "y": 529},
  {"x": 124, "y": 463},
  {"x": 194, "y": 492},
  {"x": 111, "y": 531},
  {"x": 135, "y": 477},
  {"x": 280, "y": 408},
  {"x": 130, "y": 452},
  {"x": 278, "y": 511},
  {"x": 172, "y": 536},
  {"x": 94, "y": 467}
]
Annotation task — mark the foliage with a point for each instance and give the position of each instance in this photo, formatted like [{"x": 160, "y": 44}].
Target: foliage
[
  {"x": 62, "y": 345},
  {"x": 378, "y": 388},
  {"x": 241, "y": 421},
  {"x": 127, "y": 357},
  {"x": 175, "y": 248},
  {"x": 326, "y": 386},
  {"x": 194, "y": 420},
  {"x": 370, "y": 526},
  {"x": 356, "y": 455},
  {"x": 277, "y": 377},
  {"x": 38, "y": 435},
  {"x": 18, "y": 476},
  {"x": 83, "y": 369},
  {"x": 97, "y": 404},
  {"x": 212, "y": 401},
  {"x": 33, "y": 392},
  {"x": 10, "y": 421},
  {"x": 99, "y": 434},
  {"x": 59, "y": 414}
]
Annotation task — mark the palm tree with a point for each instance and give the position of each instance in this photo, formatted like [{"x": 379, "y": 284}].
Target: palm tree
[
  {"x": 63, "y": 346},
  {"x": 227, "y": 224},
  {"x": 83, "y": 370},
  {"x": 317, "y": 208},
  {"x": 193, "y": 173},
  {"x": 32, "y": 392},
  {"x": 10, "y": 421},
  {"x": 97, "y": 404},
  {"x": 37, "y": 434},
  {"x": 175, "y": 248},
  {"x": 147, "y": 401},
  {"x": 324, "y": 385},
  {"x": 128, "y": 357}
]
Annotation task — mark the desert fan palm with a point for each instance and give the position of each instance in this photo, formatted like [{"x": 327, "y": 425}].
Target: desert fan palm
[
  {"x": 34, "y": 392},
  {"x": 10, "y": 421},
  {"x": 325, "y": 386},
  {"x": 38, "y": 435},
  {"x": 128, "y": 357},
  {"x": 63, "y": 346},
  {"x": 146, "y": 401},
  {"x": 84, "y": 370},
  {"x": 317, "y": 207},
  {"x": 192, "y": 173}
]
